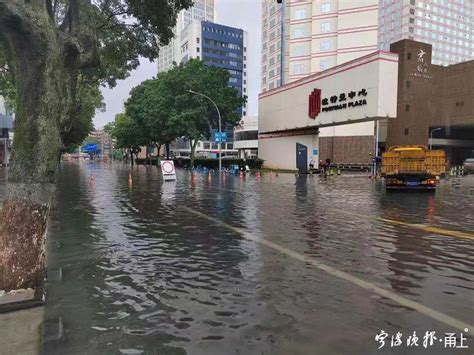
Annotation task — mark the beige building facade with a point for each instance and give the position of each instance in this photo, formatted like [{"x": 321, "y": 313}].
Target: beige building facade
[
  {"x": 348, "y": 97},
  {"x": 301, "y": 38}
]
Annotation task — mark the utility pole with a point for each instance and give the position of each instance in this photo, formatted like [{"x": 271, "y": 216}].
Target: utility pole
[
  {"x": 220, "y": 125},
  {"x": 431, "y": 136}
]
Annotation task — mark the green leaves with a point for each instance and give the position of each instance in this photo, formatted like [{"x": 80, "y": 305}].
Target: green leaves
[{"x": 163, "y": 109}]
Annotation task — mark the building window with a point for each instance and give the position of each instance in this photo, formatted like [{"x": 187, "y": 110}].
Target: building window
[
  {"x": 412, "y": 2},
  {"x": 325, "y": 45},
  {"x": 325, "y": 7},
  {"x": 407, "y": 108},
  {"x": 299, "y": 32},
  {"x": 197, "y": 39},
  {"x": 214, "y": 146},
  {"x": 231, "y": 145},
  {"x": 409, "y": 55},
  {"x": 271, "y": 86},
  {"x": 298, "y": 50},
  {"x": 325, "y": 27},
  {"x": 207, "y": 145},
  {"x": 300, "y": 14},
  {"x": 324, "y": 64},
  {"x": 406, "y": 131},
  {"x": 298, "y": 69},
  {"x": 197, "y": 49},
  {"x": 408, "y": 83}
]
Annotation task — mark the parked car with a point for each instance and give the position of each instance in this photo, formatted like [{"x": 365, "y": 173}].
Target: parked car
[{"x": 469, "y": 166}]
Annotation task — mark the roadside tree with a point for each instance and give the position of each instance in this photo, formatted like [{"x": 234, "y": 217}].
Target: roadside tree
[{"x": 48, "y": 48}]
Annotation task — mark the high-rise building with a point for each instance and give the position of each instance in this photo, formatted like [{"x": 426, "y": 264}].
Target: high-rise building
[
  {"x": 272, "y": 39},
  {"x": 202, "y": 10},
  {"x": 300, "y": 38},
  {"x": 218, "y": 45},
  {"x": 445, "y": 24}
]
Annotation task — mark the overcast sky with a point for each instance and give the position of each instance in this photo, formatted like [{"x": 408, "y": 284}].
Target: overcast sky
[{"x": 245, "y": 14}]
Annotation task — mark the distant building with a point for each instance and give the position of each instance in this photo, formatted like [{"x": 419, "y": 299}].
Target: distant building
[
  {"x": 445, "y": 24},
  {"x": 6, "y": 133},
  {"x": 219, "y": 46},
  {"x": 105, "y": 143},
  {"x": 203, "y": 10},
  {"x": 246, "y": 137}
]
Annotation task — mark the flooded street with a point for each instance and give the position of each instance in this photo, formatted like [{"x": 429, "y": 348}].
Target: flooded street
[{"x": 273, "y": 265}]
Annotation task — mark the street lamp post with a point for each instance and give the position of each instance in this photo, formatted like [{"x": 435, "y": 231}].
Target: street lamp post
[
  {"x": 431, "y": 136},
  {"x": 220, "y": 124}
]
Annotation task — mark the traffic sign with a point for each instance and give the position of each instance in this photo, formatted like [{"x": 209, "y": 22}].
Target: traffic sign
[
  {"x": 168, "y": 170},
  {"x": 90, "y": 147},
  {"x": 222, "y": 135}
]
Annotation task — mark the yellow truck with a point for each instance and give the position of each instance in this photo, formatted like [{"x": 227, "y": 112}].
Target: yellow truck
[{"x": 412, "y": 167}]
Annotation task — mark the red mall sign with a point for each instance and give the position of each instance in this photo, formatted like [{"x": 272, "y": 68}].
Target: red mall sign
[{"x": 314, "y": 107}]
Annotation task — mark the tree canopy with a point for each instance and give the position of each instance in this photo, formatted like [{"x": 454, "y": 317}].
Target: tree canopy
[
  {"x": 86, "y": 44},
  {"x": 54, "y": 55},
  {"x": 163, "y": 109}
]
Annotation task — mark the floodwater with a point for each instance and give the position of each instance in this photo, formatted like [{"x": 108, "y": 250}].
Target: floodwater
[{"x": 209, "y": 266}]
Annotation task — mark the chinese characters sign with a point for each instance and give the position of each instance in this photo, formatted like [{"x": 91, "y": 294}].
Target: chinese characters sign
[
  {"x": 427, "y": 340},
  {"x": 421, "y": 66},
  {"x": 344, "y": 100}
]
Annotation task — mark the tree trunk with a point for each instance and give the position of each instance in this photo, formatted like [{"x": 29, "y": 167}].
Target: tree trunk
[
  {"x": 158, "y": 147},
  {"x": 167, "y": 145},
  {"x": 193, "y": 149},
  {"x": 41, "y": 80},
  {"x": 147, "y": 155}
]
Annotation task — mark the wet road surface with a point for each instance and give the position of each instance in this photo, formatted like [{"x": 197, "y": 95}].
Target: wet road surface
[{"x": 276, "y": 265}]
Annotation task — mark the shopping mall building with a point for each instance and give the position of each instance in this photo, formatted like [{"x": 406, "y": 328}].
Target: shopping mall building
[{"x": 355, "y": 110}]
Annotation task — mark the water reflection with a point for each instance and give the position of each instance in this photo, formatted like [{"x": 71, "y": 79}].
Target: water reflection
[{"x": 142, "y": 274}]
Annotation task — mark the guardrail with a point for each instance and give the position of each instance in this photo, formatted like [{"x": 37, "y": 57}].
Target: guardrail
[{"x": 456, "y": 170}]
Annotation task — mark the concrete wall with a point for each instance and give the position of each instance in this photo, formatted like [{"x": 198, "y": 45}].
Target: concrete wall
[
  {"x": 287, "y": 107},
  {"x": 280, "y": 152},
  {"x": 439, "y": 96},
  {"x": 347, "y": 150}
]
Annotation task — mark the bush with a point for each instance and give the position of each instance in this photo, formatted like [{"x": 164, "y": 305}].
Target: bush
[{"x": 214, "y": 163}]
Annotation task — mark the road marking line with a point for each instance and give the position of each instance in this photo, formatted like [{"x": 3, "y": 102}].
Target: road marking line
[
  {"x": 424, "y": 227},
  {"x": 441, "y": 317}
]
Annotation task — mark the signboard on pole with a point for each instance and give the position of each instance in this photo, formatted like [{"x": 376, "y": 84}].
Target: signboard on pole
[
  {"x": 90, "y": 147},
  {"x": 168, "y": 170},
  {"x": 220, "y": 137}
]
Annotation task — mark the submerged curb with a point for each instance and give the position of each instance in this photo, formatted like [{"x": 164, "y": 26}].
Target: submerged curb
[{"x": 23, "y": 299}]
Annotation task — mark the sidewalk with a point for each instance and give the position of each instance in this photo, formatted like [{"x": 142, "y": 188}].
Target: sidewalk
[{"x": 20, "y": 332}]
